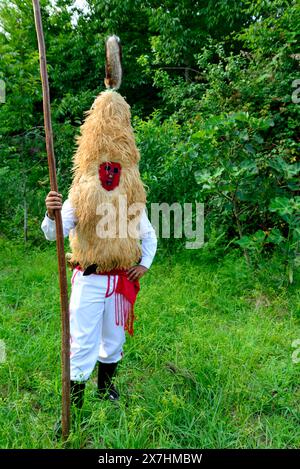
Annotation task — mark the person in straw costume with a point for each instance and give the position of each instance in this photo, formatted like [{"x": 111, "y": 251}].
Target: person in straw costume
[{"x": 105, "y": 218}]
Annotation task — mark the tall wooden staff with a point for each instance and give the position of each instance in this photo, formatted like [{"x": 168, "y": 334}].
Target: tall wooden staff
[{"x": 59, "y": 230}]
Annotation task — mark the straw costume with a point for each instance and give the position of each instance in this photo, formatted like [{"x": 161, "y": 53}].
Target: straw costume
[{"x": 105, "y": 218}]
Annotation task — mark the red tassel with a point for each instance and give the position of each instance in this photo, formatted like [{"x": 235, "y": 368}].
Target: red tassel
[
  {"x": 117, "y": 309},
  {"x": 124, "y": 313}
]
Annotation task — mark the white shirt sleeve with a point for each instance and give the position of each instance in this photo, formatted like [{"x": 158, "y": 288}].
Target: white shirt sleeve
[
  {"x": 149, "y": 241},
  {"x": 68, "y": 221}
]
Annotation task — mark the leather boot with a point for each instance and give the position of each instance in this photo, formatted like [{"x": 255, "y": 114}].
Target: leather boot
[
  {"x": 76, "y": 395},
  {"x": 106, "y": 389}
]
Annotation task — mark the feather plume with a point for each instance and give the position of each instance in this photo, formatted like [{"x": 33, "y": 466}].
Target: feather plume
[{"x": 113, "y": 65}]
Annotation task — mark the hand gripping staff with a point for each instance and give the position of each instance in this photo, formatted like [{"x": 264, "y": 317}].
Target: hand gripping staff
[{"x": 59, "y": 230}]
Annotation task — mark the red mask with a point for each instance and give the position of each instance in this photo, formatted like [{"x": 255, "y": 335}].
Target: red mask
[{"x": 109, "y": 175}]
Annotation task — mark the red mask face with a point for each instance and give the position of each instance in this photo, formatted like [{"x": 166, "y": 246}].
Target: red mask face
[{"x": 109, "y": 175}]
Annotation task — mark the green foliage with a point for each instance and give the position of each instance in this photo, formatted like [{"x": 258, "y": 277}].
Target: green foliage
[
  {"x": 288, "y": 210},
  {"x": 239, "y": 122},
  {"x": 210, "y": 85}
]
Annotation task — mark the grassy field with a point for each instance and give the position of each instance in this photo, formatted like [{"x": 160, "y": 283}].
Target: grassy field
[{"x": 210, "y": 365}]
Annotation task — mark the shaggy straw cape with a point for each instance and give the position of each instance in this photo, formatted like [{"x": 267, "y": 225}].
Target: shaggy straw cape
[{"x": 106, "y": 136}]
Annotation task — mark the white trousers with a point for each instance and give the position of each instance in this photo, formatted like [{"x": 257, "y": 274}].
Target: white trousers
[{"x": 94, "y": 333}]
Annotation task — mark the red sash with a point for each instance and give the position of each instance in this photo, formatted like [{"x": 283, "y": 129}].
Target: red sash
[{"x": 125, "y": 295}]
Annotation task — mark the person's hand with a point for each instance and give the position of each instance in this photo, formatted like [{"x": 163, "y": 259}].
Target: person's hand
[
  {"x": 136, "y": 272},
  {"x": 53, "y": 202}
]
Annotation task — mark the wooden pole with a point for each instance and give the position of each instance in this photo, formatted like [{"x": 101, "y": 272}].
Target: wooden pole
[{"x": 59, "y": 230}]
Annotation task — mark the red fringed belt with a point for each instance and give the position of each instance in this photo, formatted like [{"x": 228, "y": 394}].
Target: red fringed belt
[{"x": 125, "y": 295}]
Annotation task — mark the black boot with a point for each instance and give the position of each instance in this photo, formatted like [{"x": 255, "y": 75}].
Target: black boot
[
  {"x": 76, "y": 395},
  {"x": 106, "y": 389}
]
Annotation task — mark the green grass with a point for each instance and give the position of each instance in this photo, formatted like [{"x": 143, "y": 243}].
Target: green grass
[{"x": 210, "y": 364}]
